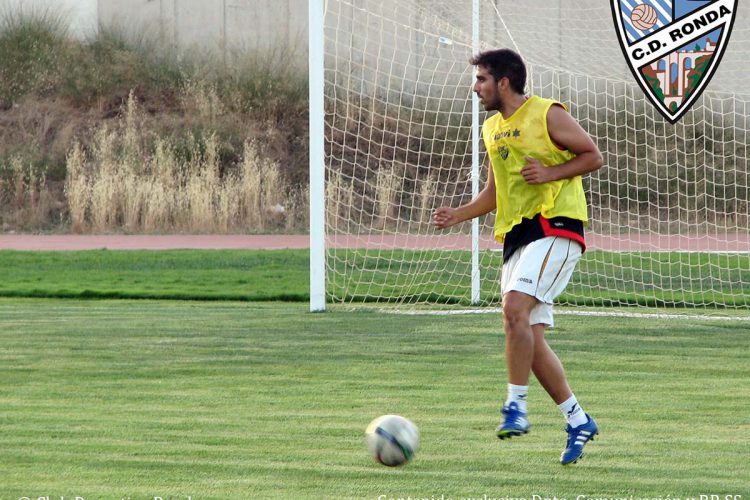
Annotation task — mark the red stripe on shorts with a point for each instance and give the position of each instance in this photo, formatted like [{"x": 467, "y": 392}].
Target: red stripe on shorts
[{"x": 565, "y": 233}]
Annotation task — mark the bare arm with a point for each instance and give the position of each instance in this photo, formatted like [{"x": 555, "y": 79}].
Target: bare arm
[
  {"x": 568, "y": 134},
  {"x": 485, "y": 202}
]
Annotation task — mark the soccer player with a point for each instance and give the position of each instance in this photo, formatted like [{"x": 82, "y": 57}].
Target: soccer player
[{"x": 537, "y": 154}]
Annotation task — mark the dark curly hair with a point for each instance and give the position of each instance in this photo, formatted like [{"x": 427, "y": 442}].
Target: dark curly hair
[{"x": 502, "y": 63}]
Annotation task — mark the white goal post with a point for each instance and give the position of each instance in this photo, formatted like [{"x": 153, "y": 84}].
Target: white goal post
[
  {"x": 317, "y": 155},
  {"x": 394, "y": 133}
]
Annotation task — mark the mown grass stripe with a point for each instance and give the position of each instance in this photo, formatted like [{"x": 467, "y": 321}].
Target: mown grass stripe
[{"x": 119, "y": 398}]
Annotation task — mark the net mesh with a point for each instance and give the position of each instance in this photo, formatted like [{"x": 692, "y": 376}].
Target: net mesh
[{"x": 669, "y": 208}]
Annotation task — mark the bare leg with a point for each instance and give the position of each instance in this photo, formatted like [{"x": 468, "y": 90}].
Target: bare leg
[
  {"x": 548, "y": 369},
  {"x": 519, "y": 338},
  {"x": 519, "y": 354}
]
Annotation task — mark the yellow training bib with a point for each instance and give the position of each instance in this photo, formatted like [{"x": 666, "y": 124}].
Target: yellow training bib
[{"x": 508, "y": 142}]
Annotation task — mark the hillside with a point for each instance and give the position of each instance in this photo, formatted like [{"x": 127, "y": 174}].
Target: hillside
[{"x": 121, "y": 135}]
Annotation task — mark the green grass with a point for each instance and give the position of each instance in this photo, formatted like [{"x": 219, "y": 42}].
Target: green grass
[
  {"x": 654, "y": 279},
  {"x": 118, "y": 399},
  {"x": 174, "y": 274}
]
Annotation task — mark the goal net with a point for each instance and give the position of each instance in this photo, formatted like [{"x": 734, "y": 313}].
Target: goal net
[{"x": 669, "y": 210}]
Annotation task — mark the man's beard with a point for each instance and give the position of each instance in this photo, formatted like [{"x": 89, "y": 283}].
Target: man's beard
[{"x": 496, "y": 105}]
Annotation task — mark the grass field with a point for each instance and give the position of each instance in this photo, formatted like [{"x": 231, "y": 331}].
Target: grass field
[
  {"x": 173, "y": 274},
  {"x": 137, "y": 399},
  {"x": 603, "y": 279}
]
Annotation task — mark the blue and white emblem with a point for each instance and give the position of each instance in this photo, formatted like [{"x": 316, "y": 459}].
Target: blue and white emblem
[{"x": 673, "y": 47}]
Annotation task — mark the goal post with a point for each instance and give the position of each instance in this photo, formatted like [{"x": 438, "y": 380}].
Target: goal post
[
  {"x": 317, "y": 154},
  {"x": 476, "y": 284},
  {"x": 395, "y": 129}
]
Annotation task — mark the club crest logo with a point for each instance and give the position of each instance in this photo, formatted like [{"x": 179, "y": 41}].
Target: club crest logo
[{"x": 673, "y": 47}]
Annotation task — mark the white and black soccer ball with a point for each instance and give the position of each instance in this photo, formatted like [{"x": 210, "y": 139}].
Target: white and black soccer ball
[{"x": 392, "y": 439}]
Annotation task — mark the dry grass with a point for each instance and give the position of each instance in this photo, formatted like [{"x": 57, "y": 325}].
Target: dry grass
[
  {"x": 386, "y": 184},
  {"x": 126, "y": 183},
  {"x": 25, "y": 188},
  {"x": 427, "y": 189},
  {"x": 117, "y": 134}
]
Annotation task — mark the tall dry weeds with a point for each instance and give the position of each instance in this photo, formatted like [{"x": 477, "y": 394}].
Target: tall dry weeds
[
  {"x": 127, "y": 182},
  {"x": 26, "y": 190},
  {"x": 427, "y": 189},
  {"x": 77, "y": 189},
  {"x": 333, "y": 194},
  {"x": 200, "y": 97},
  {"x": 386, "y": 183},
  {"x": 262, "y": 190},
  {"x": 135, "y": 174}
]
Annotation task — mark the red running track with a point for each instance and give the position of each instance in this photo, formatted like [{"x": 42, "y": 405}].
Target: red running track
[{"x": 719, "y": 242}]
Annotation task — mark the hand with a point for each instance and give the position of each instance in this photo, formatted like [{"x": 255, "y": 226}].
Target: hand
[
  {"x": 534, "y": 172},
  {"x": 444, "y": 217}
]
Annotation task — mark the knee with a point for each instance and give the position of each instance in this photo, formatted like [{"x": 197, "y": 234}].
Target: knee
[{"x": 516, "y": 312}]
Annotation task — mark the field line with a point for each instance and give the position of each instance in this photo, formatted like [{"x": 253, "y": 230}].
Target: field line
[{"x": 603, "y": 314}]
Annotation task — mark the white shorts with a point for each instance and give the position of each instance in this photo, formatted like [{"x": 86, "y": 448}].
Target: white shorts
[{"x": 541, "y": 269}]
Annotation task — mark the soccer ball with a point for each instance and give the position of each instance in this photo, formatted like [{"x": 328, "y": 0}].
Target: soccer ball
[{"x": 392, "y": 439}]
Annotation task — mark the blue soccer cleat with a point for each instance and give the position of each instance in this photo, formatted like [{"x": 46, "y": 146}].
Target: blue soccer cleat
[
  {"x": 577, "y": 439},
  {"x": 515, "y": 423}
]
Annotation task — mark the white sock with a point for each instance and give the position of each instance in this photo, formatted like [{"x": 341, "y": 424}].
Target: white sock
[
  {"x": 573, "y": 412},
  {"x": 517, "y": 394}
]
